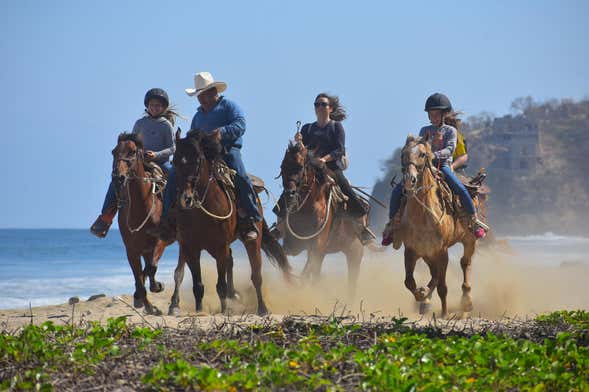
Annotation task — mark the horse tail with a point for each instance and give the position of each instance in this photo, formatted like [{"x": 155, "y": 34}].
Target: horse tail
[{"x": 275, "y": 253}]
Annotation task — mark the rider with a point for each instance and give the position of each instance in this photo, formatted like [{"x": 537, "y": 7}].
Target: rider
[
  {"x": 442, "y": 138},
  {"x": 156, "y": 129},
  {"x": 217, "y": 112},
  {"x": 326, "y": 138}
]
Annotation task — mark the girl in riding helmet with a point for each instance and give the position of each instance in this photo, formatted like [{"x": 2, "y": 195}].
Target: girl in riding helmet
[
  {"x": 157, "y": 130},
  {"x": 442, "y": 138}
]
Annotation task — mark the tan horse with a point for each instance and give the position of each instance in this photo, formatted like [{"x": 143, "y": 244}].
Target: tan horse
[{"x": 427, "y": 229}]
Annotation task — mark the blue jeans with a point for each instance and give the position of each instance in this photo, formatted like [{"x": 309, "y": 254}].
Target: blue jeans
[
  {"x": 110, "y": 200},
  {"x": 453, "y": 182},
  {"x": 245, "y": 190}
]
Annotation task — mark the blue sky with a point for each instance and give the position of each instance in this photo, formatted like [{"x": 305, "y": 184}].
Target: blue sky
[{"x": 73, "y": 75}]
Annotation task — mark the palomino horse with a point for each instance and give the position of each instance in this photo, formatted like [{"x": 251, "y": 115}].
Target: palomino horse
[
  {"x": 311, "y": 222},
  {"x": 427, "y": 229},
  {"x": 208, "y": 220},
  {"x": 139, "y": 209}
]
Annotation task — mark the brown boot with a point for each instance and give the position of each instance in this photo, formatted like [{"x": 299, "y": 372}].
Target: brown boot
[
  {"x": 101, "y": 225},
  {"x": 277, "y": 229},
  {"x": 250, "y": 230}
]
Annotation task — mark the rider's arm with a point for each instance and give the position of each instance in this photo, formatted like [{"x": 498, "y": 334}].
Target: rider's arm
[
  {"x": 340, "y": 143},
  {"x": 236, "y": 126},
  {"x": 449, "y": 144},
  {"x": 459, "y": 161},
  {"x": 169, "y": 143}
]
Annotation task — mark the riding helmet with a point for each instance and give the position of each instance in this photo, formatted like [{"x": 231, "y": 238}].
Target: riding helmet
[
  {"x": 157, "y": 93},
  {"x": 438, "y": 101}
]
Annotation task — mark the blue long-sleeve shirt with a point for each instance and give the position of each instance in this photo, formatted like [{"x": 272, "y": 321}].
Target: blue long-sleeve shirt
[{"x": 225, "y": 115}]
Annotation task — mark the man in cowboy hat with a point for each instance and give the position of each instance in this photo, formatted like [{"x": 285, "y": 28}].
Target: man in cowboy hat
[{"x": 217, "y": 112}]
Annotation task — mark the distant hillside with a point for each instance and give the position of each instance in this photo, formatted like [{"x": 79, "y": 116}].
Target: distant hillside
[{"x": 538, "y": 165}]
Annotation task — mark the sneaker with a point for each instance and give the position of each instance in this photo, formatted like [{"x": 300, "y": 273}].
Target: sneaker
[
  {"x": 100, "y": 227},
  {"x": 275, "y": 231},
  {"x": 387, "y": 234}
]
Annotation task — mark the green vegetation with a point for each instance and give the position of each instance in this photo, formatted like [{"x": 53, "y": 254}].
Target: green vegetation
[{"x": 296, "y": 354}]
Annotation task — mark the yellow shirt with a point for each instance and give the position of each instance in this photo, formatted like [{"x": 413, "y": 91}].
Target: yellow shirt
[{"x": 460, "y": 149}]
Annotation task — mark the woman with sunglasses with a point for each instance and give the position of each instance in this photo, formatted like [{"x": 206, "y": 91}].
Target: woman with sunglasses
[{"x": 327, "y": 139}]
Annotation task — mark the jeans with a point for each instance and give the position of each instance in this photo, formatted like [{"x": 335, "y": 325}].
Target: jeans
[
  {"x": 110, "y": 200},
  {"x": 245, "y": 191},
  {"x": 453, "y": 182}
]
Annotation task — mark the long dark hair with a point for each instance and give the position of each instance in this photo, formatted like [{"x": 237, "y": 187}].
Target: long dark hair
[
  {"x": 338, "y": 113},
  {"x": 451, "y": 118},
  {"x": 169, "y": 114}
]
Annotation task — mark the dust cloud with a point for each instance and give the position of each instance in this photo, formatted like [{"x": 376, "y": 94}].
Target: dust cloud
[{"x": 504, "y": 284}]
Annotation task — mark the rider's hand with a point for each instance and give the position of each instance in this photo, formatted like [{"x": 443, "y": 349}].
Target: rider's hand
[
  {"x": 150, "y": 155},
  {"x": 298, "y": 137}
]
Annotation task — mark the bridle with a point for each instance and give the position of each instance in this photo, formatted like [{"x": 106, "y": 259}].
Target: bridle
[{"x": 196, "y": 201}]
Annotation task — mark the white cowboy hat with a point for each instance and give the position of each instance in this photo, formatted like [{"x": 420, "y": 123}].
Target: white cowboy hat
[{"x": 204, "y": 81}]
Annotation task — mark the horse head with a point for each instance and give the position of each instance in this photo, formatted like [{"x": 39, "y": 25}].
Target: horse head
[
  {"x": 127, "y": 159},
  {"x": 188, "y": 160},
  {"x": 415, "y": 156}
]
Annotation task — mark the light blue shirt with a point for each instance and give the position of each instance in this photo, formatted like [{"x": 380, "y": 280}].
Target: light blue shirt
[{"x": 227, "y": 116}]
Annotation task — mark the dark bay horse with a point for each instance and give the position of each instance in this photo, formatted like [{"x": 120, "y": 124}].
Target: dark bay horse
[
  {"x": 312, "y": 222},
  {"x": 428, "y": 229},
  {"x": 139, "y": 208},
  {"x": 208, "y": 220}
]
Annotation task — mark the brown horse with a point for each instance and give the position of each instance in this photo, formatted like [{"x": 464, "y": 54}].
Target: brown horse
[
  {"x": 208, "y": 220},
  {"x": 139, "y": 209},
  {"x": 428, "y": 229},
  {"x": 312, "y": 222}
]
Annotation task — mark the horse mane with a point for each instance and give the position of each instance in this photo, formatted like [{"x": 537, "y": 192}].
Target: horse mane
[{"x": 131, "y": 137}]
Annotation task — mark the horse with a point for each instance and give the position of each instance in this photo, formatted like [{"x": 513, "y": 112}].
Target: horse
[
  {"x": 427, "y": 230},
  {"x": 207, "y": 219},
  {"x": 311, "y": 220},
  {"x": 139, "y": 209}
]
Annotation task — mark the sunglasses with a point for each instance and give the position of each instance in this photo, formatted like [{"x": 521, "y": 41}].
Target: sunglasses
[{"x": 321, "y": 104}]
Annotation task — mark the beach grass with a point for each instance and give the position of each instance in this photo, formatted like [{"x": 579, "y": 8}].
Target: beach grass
[{"x": 550, "y": 352}]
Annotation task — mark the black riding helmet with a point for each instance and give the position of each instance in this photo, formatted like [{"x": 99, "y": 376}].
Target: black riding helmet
[
  {"x": 157, "y": 93},
  {"x": 438, "y": 101}
]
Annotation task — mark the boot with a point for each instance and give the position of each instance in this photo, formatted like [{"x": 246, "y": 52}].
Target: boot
[
  {"x": 277, "y": 229},
  {"x": 101, "y": 225},
  {"x": 250, "y": 230},
  {"x": 479, "y": 229},
  {"x": 166, "y": 230}
]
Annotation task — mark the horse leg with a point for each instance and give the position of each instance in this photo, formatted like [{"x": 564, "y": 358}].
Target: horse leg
[
  {"x": 150, "y": 270},
  {"x": 174, "y": 309},
  {"x": 231, "y": 292},
  {"x": 222, "y": 258},
  {"x": 140, "y": 294},
  {"x": 465, "y": 261},
  {"x": 312, "y": 268},
  {"x": 442, "y": 287},
  {"x": 354, "y": 258},
  {"x": 198, "y": 289},
  {"x": 425, "y": 293},
  {"x": 254, "y": 254}
]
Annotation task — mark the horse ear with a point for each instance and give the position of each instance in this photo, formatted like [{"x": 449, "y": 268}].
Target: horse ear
[
  {"x": 178, "y": 133},
  {"x": 216, "y": 134},
  {"x": 410, "y": 138}
]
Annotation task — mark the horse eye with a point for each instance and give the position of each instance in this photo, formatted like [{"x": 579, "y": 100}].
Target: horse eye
[{"x": 422, "y": 155}]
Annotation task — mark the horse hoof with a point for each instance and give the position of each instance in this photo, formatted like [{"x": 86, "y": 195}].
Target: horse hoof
[
  {"x": 262, "y": 311},
  {"x": 152, "y": 310},
  {"x": 424, "y": 307},
  {"x": 157, "y": 287},
  {"x": 174, "y": 311},
  {"x": 138, "y": 302},
  {"x": 235, "y": 296}
]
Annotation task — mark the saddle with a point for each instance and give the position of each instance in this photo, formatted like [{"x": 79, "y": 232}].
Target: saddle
[
  {"x": 474, "y": 186},
  {"x": 226, "y": 176},
  {"x": 154, "y": 171}
]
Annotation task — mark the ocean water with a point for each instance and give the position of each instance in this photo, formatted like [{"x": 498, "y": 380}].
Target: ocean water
[{"x": 48, "y": 266}]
